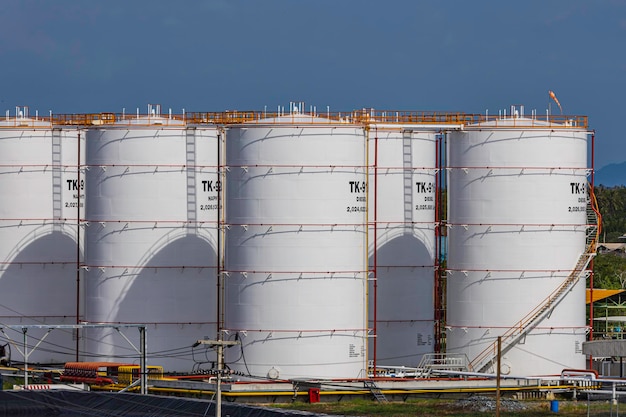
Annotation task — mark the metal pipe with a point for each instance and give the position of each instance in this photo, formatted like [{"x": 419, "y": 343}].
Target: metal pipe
[
  {"x": 419, "y": 127},
  {"x": 142, "y": 361},
  {"x": 591, "y": 191},
  {"x": 220, "y": 240},
  {"x": 498, "y": 375},
  {"x": 25, "y": 339},
  {"x": 78, "y": 252},
  {"x": 437, "y": 272},
  {"x": 375, "y": 245}
]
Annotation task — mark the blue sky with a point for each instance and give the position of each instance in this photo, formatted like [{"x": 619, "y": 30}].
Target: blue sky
[{"x": 91, "y": 56}]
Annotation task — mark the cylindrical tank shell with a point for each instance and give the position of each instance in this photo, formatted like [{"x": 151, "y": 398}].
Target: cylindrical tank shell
[
  {"x": 151, "y": 236},
  {"x": 40, "y": 244},
  {"x": 295, "y": 262},
  {"x": 516, "y": 229},
  {"x": 403, "y": 170}
]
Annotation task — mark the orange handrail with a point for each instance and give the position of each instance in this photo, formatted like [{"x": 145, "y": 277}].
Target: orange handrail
[
  {"x": 356, "y": 117},
  {"x": 481, "y": 359}
]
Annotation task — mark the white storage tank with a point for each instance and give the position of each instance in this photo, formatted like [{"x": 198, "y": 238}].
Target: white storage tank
[
  {"x": 151, "y": 240},
  {"x": 40, "y": 245},
  {"x": 516, "y": 230},
  {"x": 402, "y": 187},
  {"x": 296, "y": 255}
]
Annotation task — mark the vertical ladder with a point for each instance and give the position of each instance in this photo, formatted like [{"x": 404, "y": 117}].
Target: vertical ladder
[
  {"x": 57, "y": 171},
  {"x": 407, "y": 173},
  {"x": 376, "y": 392},
  {"x": 190, "y": 163}
]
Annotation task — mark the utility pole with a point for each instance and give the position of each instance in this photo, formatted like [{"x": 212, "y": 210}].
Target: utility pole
[
  {"x": 220, "y": 367},
  {"x": 498, "y": 376}
]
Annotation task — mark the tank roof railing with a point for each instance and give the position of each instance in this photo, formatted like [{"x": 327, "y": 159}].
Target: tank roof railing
[
  {"x": 355, "y": 117},
  {"x": 552, "y": 121}
]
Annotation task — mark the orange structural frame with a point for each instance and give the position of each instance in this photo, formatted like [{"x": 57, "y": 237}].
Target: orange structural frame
[{"x": 363, "y": 117}]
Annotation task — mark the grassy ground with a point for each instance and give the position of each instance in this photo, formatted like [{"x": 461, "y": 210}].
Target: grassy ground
[{"x": 451, "y": 408}]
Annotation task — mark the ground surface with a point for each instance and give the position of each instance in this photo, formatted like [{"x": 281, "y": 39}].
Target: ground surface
[{"x": 468, "y": 407}]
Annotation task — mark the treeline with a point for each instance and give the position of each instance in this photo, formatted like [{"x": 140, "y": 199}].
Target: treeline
[
  {"x": 612, "y": 205},
  {"x": 609, "y": 269}
]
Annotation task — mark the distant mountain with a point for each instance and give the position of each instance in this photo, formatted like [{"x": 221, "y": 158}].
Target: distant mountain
[{"x": 611, "y": 175}]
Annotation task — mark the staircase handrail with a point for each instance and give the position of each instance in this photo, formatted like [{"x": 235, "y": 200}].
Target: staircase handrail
[{"x": 555, "y": 296}]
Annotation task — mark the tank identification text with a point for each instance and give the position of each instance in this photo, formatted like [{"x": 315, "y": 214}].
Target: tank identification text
[
  {"x": 357, "y": 187},
  {"x": 425, "y": 188},
  {"x": 578, "y": 189},
  {"x": 355, "y": 352},
  {"x": 210, "y": 186},
  {"x": 74, "y": 185}
]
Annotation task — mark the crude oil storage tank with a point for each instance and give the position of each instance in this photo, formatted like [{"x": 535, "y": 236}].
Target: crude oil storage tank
[
  {"x": 40, "y": 246},
  {"x": 402, "y": 186},
  {"x": 151, "y": 242},
  {"x": 295, "y": 240},
  {"x": 517, "y": 242}
]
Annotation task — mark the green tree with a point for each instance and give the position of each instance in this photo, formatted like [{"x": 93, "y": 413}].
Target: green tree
[
  {"x": 612, "y": 205},
  {"x": 609, "y": 271}
]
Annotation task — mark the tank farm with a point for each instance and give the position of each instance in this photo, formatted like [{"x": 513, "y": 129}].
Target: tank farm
[{"x": 323, "y": 245}]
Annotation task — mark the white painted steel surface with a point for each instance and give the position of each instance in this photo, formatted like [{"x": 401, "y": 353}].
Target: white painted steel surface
[
  {"x": 151, "y": 238},
  {"x": 296, "y": 257},
  {"x": 38, "y": 233},
  {"x": 517, "y": 200},
  {"x": 402, "y": 185}
]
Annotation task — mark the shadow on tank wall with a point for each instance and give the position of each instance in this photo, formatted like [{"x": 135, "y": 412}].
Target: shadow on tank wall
[
  {"x": 175, "y": 295},
  {"x": 405, "y": 316},
  {"x": 37, "y": 288}
]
